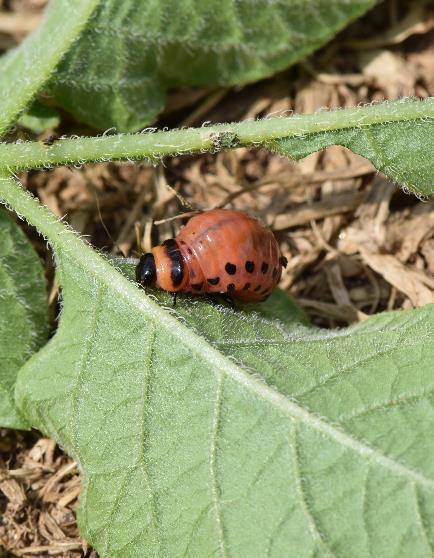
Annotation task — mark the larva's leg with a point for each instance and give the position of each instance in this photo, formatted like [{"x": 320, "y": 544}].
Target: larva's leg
[{"x": 219, "y": 298}]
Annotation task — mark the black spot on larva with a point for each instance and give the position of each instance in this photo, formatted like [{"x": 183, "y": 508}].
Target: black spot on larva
[
  {"x": 189, "y": 251},
  {"x": 230, "y": 288},
  {"x": 230, "y": 268},
  {"x": 197, "y": 286},
  {"x": 283, "y": 261},
  {"x": 256, "y": 289},
  {"x": 181, "y": 242},
  {"x": 246, "y": 287},
  {"x": 250, "y": 266},
  {"x": 275, "y": 273},
  {"x": 213, "y": 280},
  {"x": 176, "y": 261},
  {"x": 264, "y": 267}
]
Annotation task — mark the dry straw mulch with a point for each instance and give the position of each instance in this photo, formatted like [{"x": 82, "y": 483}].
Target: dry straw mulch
[{"x": 39, "y": 487}]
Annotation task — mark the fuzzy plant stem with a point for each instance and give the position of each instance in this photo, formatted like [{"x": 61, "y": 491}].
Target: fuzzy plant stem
[{"x": 155, "y": 145}]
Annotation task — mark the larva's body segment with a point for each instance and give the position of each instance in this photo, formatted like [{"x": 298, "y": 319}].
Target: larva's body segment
[{"x": 218, "y": 251}]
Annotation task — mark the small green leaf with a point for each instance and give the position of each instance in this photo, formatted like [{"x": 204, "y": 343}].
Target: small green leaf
[
  {"x": 23, "y": 313},
  {"x": 402, "y": 150},
  {"x": 203, "y": 431},
  {"x": 133, "y": 51},
  {"x": 39, "y": 118}
]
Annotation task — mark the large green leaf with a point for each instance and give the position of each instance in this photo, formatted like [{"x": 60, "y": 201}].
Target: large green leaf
[
  {"x": 204, "y": 431},
  {"x": 132, "y": 51},
  {"x": 23, "y": 313}
]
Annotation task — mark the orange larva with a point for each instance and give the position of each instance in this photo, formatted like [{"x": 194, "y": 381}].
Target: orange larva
[{"x": 219, "y": 251}]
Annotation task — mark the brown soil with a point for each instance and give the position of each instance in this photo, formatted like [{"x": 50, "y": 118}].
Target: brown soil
[{"x": 356, "y": 244}]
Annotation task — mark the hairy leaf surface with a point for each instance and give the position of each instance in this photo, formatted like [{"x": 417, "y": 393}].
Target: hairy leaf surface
[
  {"x": 402, "y": 150},
  {"x": 25, "y": 69},
  {"x": 23, "y": 313},
  {"x": 38, "y": 118},
  {"x": 203, "y": 431},
  {"x": 132, "y": 51}
]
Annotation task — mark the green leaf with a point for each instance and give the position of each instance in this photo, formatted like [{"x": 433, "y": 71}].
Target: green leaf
[
  {"x": 39, "y": 118},
  {"x": 402, "y": 150},
  {"x": 133, "y": 51},
  {"x": 25, "y": 69},
  {"x": 203, "y": 431},
  {"x": 23, "y": 313}
]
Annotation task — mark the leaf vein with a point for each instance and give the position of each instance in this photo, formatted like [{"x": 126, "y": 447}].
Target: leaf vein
[
  {"x": 422, "y": 524},
  {"x": 315, "y": 531},
  {"x": 395, "y": 403},
  {"x": 83, "y": 363},
  {"x": 142, "y": 454},
  {"x": 215, "y": 488}
]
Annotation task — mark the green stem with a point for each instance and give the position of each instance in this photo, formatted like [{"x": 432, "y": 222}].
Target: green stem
[
  {"x": 24, "y": 70},
  {"x": 156, "y": 145}
]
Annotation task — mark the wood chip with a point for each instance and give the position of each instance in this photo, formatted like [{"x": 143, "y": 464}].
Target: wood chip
[
  {"x": 308, "y": 212},
  {"x": 336, "y": 284},
  {"x": 50, "y": 550},
  {"x": 400, "y": 276},
  {"x": 48, "y": 492},
  {"x": 428, "y": 254},
  {"x": 344, "y": 314},
  {"x": 14, "y": 492}
]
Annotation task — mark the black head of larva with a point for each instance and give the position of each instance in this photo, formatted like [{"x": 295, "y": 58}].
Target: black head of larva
[{"x": 146, "y": 272}]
